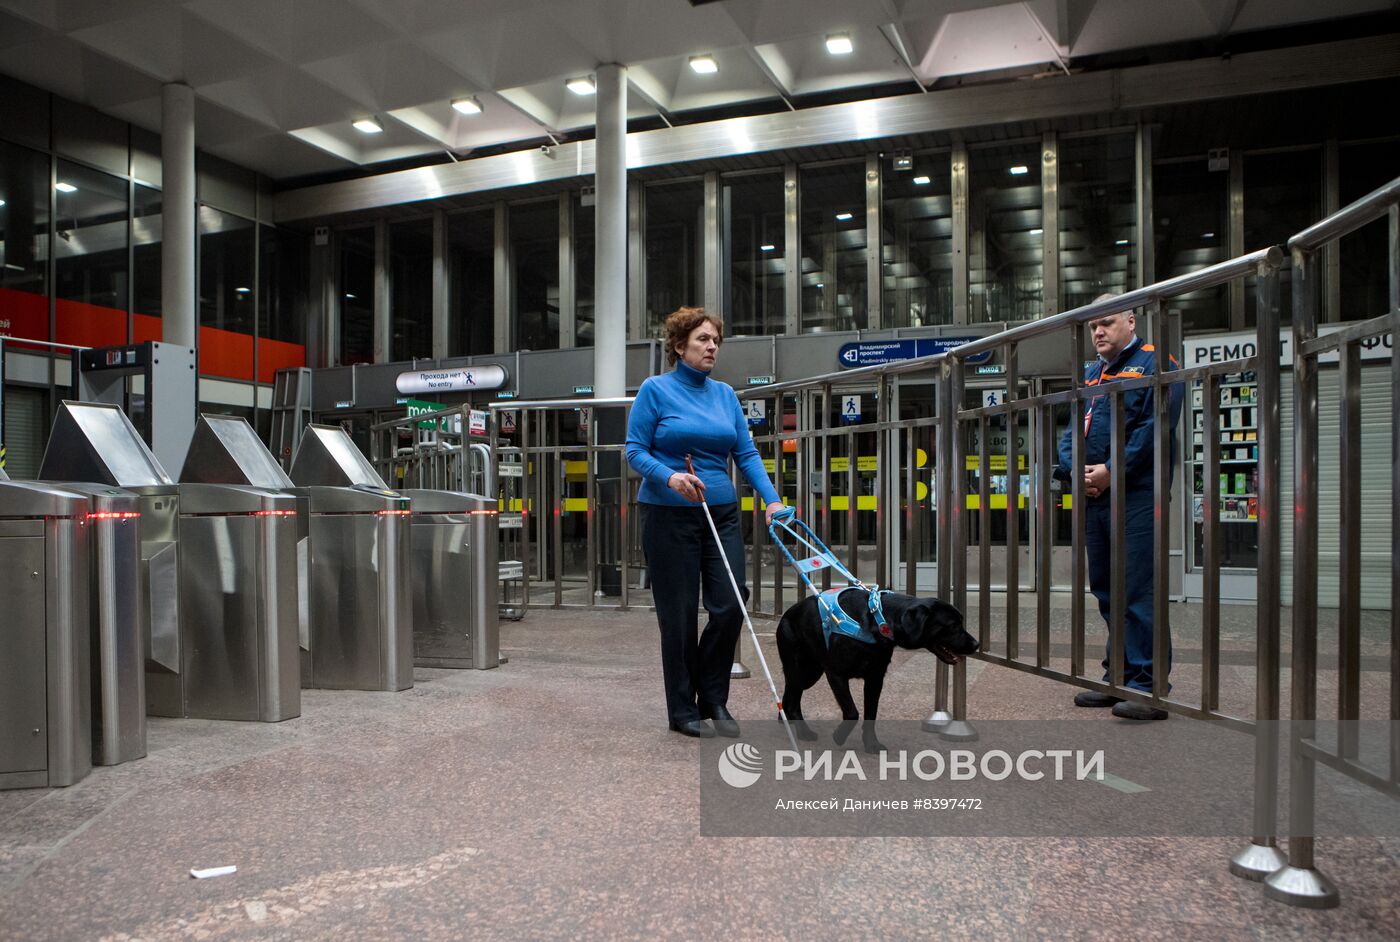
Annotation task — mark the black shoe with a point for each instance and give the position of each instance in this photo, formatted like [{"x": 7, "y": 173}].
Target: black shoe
[
  {"x": 697, "y": 728},
  {"x": 725, "y": 723},
  {"x": 1092, "y": 698},
  {"x": 1133, "y": 710}
]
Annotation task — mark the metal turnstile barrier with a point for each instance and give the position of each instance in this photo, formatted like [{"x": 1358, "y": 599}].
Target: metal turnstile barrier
[
  {"x": 456, "y": 622},
  {"x": 45, "y": 696},
  {"x": 360, "y": 631}
]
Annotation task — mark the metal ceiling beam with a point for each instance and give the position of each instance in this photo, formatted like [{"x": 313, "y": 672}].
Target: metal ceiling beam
[{"x": 1125, "y": 90}]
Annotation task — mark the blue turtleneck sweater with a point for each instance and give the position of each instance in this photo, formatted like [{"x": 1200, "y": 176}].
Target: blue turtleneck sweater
[{"x": 685, "y": 412}]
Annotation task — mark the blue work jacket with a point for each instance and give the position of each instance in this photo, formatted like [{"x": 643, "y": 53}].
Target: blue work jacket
[{"x": 1136, "y": 359}]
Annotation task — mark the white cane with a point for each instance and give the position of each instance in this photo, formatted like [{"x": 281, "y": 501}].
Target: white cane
[{"x": 743, "y": 607}]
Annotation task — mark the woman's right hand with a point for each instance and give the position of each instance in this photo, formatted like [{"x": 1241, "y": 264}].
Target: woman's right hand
[{"x": 688, "y": 486}]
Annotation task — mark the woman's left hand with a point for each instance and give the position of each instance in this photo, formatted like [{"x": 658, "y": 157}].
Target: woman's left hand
[{"x": 771, "y": 511}]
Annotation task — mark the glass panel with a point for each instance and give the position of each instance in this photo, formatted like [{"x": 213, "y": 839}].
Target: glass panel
[
  {"x": 1190, "y": 205},
  {"x": 411, "y": 289},
  {"x": 284, "y": 274},
  {"x": 356, "y": 296},
  {"x": 227, "y": 310},
  {"x": 585, "y": 262},
  {"x": 834, "y": 295},
  {"x": 24, "y": 226},
  {"x": 917, "y": 249},
  {"x": 1365, "y": 265},
  {"x": 90, "y": 274},
  {"x": 146, "y": 264},
  {"x": 675, "y": 215},
  {"x": 754, "y": 208},
  {"x": 471, "y": 274},
  {"x": 1098, "y": 231},
  {"x": 534, "y": 253},
  {"x": 1282, "y": 196},
  {"x": 1005, "y": 244}
]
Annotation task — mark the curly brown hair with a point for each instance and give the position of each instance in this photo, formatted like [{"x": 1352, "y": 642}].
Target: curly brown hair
[{"x": 679, "y": 326}]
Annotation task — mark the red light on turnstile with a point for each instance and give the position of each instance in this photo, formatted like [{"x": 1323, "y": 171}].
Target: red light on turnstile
[
  {"x": 274, "y": 513},
  {"x": 393, "y": 513},
  {"x": 483, "y": 513},
  {"x": 114, "y": 515}
]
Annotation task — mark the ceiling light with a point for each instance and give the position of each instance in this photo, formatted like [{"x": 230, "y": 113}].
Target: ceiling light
[
  {"x": 767, "y": 248},
  {"x": 368, "y": 126},
  {"x": 581, "y": 86},
  {"x": 820, "y": 285},
  {"x": 922, "y": 181},
  {"x": 1121, "y": 242},
  {"x": 2, "y": 202},
  {"x": 704, "y": 65},
  {"x": 466, "y": 105},
  {"x": 843, "y": 216},
  {"x": 1019, "y": 169},
  {"x": 349, "y": 297},
  {"x": 242, "y": 290},
  {"x": 839, "y": 44},
  {"x": 62, "y": 187},
  {"x": 1037, "y": 231},
  {"x": 1207, "y": 235}
]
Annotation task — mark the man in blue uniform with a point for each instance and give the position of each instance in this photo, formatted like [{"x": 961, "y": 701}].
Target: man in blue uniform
[{"x": 1122, "y": 355}]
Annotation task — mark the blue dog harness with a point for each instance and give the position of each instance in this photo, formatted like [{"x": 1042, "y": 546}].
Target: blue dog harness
[{"x": 836, "y": 621}]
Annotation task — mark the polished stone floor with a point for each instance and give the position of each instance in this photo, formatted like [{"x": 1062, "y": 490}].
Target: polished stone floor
[{"x": 546, "y": 799}]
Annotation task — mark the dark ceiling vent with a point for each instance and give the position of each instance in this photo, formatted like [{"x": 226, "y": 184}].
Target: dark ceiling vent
[{"x": 701, "y": 3}]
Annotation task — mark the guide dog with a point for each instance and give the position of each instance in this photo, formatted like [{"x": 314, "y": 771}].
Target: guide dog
[{"x": 915, "y": 623}]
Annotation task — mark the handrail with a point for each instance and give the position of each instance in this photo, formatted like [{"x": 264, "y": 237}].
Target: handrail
[
  {"x": 1349, "y": 218},
  {"x": 558, "y": 403},
  {"x": 1208, "y": 277}
]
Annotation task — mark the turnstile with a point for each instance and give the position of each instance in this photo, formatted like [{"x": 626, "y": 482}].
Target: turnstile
[
  {"x": 206, "y": 551},
  {"x": 456, "y": 622},
  {"x": 45, "y": 699},
  {"x": 238, "y": 577},
  {"x": 359, "y": 600},
  {"x": 116, "y": 640}
]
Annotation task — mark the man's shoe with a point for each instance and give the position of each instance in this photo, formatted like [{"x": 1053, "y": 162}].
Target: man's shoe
[
  {"x": 725, "y": 723},
  {"x": 697, "y": 728},
  {"x": 1133, "y": 710},
  {"x": 1092, "y": 698}
]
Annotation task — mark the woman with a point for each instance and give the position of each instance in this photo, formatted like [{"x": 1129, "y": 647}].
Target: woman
[{"x": 680, "y": 413}]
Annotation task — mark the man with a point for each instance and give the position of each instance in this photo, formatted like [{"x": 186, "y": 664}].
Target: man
[{"x": 1122, "y": 355}]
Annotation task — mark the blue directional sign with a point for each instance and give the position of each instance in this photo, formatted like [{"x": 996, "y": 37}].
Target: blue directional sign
[{"x": 875, "y": 352}]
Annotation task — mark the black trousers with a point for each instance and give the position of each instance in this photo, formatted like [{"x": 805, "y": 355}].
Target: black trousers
[{"x": 684, "y": 561}]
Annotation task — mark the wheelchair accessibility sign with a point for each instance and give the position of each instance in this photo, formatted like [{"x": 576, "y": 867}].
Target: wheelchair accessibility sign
[{"x": 755, "y": 410}]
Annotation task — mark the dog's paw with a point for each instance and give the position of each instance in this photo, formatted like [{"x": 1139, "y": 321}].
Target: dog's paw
[
  {"x": 802, "y": 731},
  {"x": 874, "y": 747},
  {"x": 842, "y": 732}
]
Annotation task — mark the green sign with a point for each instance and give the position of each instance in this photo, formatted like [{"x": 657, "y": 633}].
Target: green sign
[
  {"x": 419, "y": 407},
  {"x": 994, "y": 369},
  {"x": 583, "y": 390},
  {"x": 760, "y": 380}
]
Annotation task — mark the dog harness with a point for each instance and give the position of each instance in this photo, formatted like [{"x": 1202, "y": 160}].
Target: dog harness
[{"x": 836, "y": 621}]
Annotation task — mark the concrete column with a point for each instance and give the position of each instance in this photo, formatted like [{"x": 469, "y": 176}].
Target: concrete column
[
  {"x": 177, "y": 249},
  {"x": 610, "y": 273}
]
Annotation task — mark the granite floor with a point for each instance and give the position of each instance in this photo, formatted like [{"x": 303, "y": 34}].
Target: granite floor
[{"x": 546, "y": 799}]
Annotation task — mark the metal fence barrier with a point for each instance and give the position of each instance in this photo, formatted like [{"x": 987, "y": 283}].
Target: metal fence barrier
[{"x": 867, "y": 491}]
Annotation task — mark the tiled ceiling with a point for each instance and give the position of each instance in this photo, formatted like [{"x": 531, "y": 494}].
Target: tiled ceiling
[{"x": 278, "y": 82}]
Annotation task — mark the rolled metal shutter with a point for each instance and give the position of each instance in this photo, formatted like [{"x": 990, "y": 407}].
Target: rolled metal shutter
[
  {"x": 25, "y": 428},
  {"x": 1375, "y": 485}
]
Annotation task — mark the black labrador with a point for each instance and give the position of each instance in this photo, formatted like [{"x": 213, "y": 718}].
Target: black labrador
[{"x": 916, "y": 623}]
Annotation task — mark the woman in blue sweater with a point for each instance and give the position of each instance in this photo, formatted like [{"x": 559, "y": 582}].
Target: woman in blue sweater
[{"x": 680, "y": 413}]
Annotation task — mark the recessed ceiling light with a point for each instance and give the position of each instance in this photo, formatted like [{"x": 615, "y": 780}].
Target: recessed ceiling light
[
  {"x": 1121, "y": 242},
  {"x": 466, "y": 105},
  {"x": 1207, "y": 235},
  {"x": 767, "y": 248},
  {"x": 1019, "y": 169},
  {"x": 922, "y": 181},
  {"x": 2, "y": 202},
  {"x": 581, "y": 86},
  {"x": 839, "y": 44},
  {"x": 368, "y": 126},
  {"x": 242, "y": 290},
  {"x": 349, "y": 297},
  {"x": 820, "y": 285},
  {"x": 62, "y": 187},
  {"x": 843, "y": 216},
  {"x": 705, "y": 65},
  {"x": 1037, "y": 231}
]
